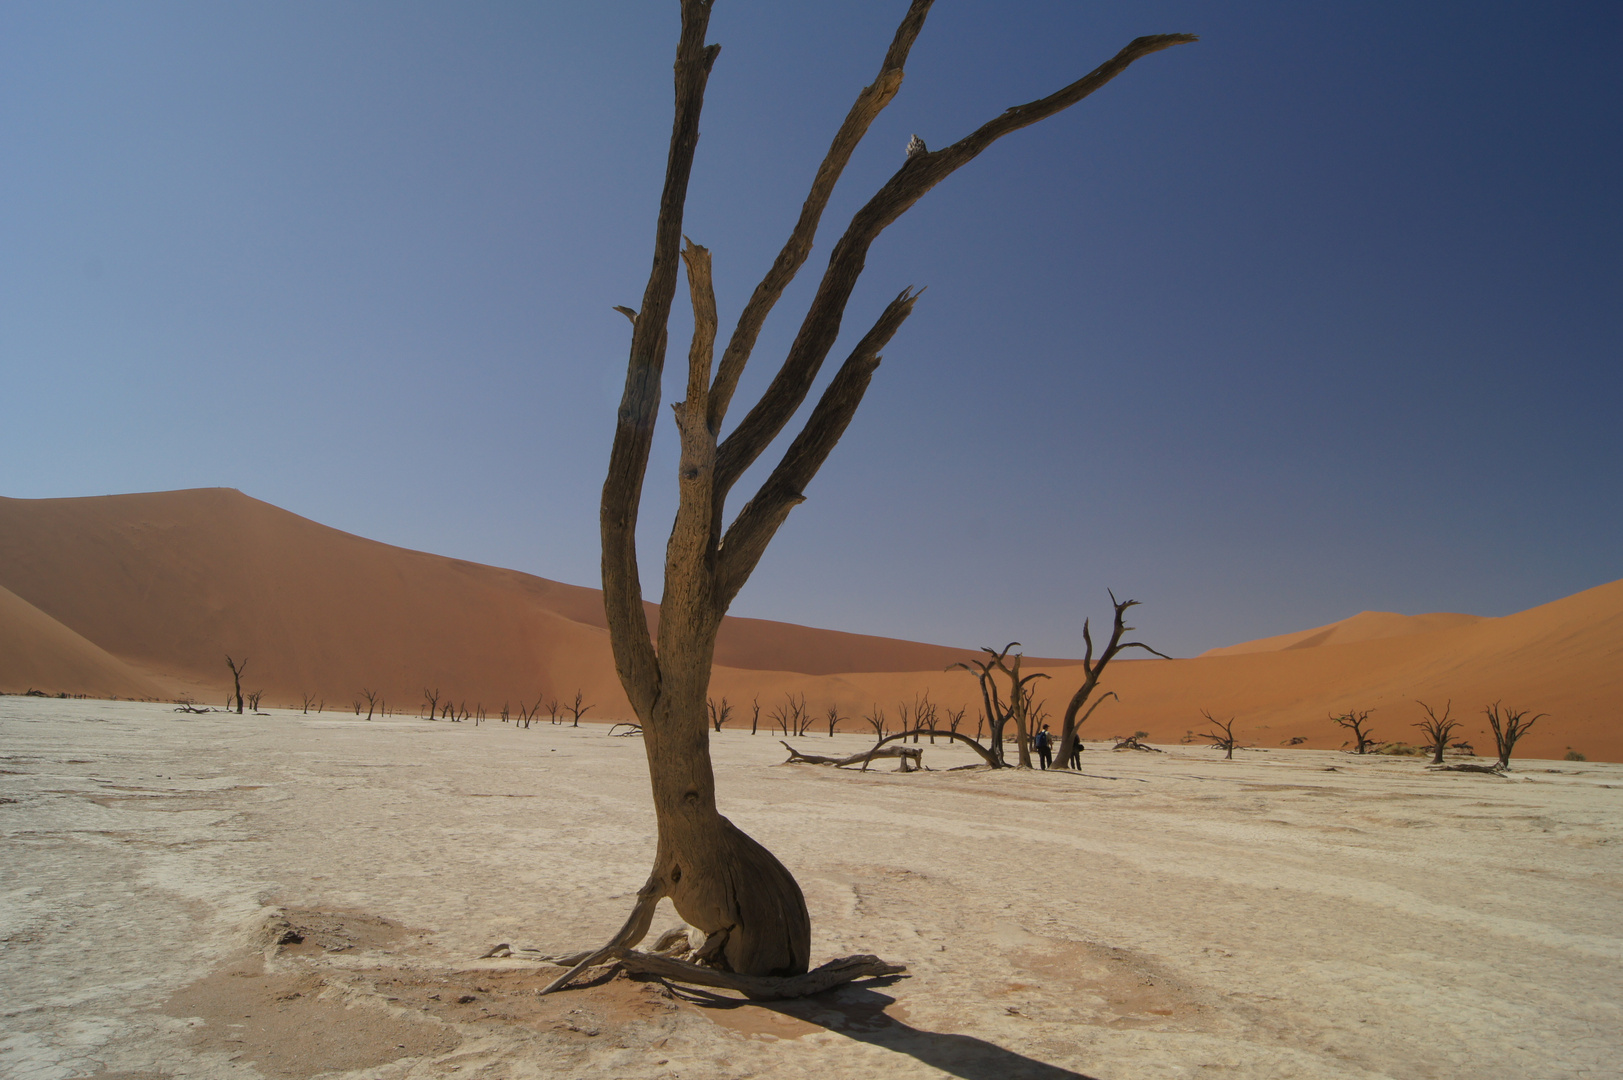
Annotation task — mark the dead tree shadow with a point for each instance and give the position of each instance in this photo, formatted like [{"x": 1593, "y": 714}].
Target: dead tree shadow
[{"x": 858, "y": 1012}]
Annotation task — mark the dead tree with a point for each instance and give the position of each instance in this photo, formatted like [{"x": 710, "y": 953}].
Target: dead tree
[
  {"x": 718, "y": 878},
  {"x": 576, "y": 709},
  {"x": 433, "y": 699},
  {"x": 555, "y": 711},
  {"x": 1437, "y": 730},
  {"x": 371, "y": 698},
  {"x": 1222, "y": 734},
  {"x": 780, "y": 716},
  {"x": 1508, "y": 729},
  {"x": 1092, "y": 672},
  {"x": 755, "y": 714},
  {"x": 719, "y": 713},
  {"x": 253, "y": 699},
  {"x": 309, "y": 700},
  {"x": 832, "y": 717},
  {"x": 1354, "y": 722},
  {"x": 876, "y": 720},
  {"x": 236, "y": 681},
  {"x": 911, "y": 757},
  {"x": 985, "y": 753}
]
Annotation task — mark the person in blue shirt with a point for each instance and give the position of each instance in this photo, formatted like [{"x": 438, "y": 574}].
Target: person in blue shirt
[{"x": 1045, "y": 748}]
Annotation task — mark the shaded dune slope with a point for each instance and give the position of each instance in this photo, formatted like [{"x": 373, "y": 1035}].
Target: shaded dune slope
[{"x": 143, "y": 595}]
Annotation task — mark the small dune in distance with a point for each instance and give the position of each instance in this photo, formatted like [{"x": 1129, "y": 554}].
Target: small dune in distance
[{"x": 143, "y": 596}]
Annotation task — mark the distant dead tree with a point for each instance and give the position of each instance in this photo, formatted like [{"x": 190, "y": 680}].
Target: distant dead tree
[
  {"x": 371, "y": 698},
  {"x": 920, "y": 718},
  {"x": 309, "y": 700},
  {"x": 1222, "y": 734},
  {"x": 720, "y": 712},
  {"x": 755, "y": 714},
  {"x": 504, "y": 712},
  {"x": 1354, "y": 722},
  {"x": 577, "y": 710},
  {"x": 1093, "y": 671},
  {"x": 253, "y": 699},
  {"x": 721, "y": 880},
  {"x": 555, "y": 711},
  {"x": 1508, "y": 729},
  {"x": 1020, "y": 699},
  {"x": 779, "y": 715},
  {"x": 236, "y": 680},
  {"x": 832, "y": 717},
  {"x": 876, "y": 720},
  {"x": 1437, "y": 730}
]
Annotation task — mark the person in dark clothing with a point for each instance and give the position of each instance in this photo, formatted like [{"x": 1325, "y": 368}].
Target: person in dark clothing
[
  {"x": 1076, "y": 752},
  {"x": 1045, "y": 748}
]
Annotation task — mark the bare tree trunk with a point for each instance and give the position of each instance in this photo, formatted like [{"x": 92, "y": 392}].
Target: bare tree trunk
[
  {"x": 719, "y": 879},
  {"x": 236, "y": 679}
]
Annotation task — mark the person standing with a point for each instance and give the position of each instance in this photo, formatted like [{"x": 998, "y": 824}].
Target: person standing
[
  {"x": 1076, "y": 752},
  {"x": 1045, "y": 749}
]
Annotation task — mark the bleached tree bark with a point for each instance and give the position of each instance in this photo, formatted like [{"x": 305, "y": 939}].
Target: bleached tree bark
[{"x": 720, "y": 879}]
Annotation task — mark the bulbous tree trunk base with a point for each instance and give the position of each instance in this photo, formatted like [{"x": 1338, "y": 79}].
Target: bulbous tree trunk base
[
  {"x": 747, "y": 903},
  {"x": 742, "y": 897}
]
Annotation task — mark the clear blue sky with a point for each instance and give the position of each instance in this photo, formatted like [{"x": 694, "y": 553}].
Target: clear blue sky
[{"x": 1323, "y": 313}]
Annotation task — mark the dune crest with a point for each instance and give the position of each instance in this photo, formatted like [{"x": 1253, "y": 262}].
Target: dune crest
[{"x": 1365, "y": 626}]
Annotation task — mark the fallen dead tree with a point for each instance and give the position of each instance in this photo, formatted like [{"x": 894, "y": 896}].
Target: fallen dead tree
[
  {"x": 1466, "y": 766},
  {"x": 911, "y": 757},
  {"x": 986, "y": 755}
]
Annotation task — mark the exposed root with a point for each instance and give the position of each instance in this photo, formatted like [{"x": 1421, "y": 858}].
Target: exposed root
[
  {"x": 634, "y": 930},
  {"x": 763, "y": 987},
  {"x": 665, "y": 962}
]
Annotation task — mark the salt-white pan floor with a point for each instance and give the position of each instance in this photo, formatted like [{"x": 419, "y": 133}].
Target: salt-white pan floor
[{"x": 1286, "y": 914}]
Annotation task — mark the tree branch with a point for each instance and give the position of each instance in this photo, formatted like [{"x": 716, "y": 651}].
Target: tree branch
[
  {"x": 747, "y": 538},
  {"x": 870, "y": 102},
  {"x": 918, "y": 174},
  {"x": 634, "y": 657}
]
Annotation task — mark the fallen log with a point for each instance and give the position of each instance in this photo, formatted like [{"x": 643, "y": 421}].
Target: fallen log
[{"x": 912, "y": 757}]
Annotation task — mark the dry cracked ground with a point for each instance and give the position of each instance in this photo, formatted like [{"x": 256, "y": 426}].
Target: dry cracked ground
[{"x": 284, "y": 896}]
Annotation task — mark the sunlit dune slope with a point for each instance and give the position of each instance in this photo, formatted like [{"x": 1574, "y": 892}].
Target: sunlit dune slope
[
  {"x": 1365, "y": 626},
  {"x": 171, "y": 582}
]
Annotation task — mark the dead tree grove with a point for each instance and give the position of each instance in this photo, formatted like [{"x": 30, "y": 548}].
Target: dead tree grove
[{"x": 720, "y": 880}]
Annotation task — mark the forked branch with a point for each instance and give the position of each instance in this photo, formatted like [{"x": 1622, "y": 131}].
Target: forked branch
[{"x": 918, "y": 174}]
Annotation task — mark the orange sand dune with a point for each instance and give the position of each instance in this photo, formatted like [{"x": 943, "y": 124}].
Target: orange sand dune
[
  {"x": 143, "y": 595},
  {"x": 172, "y": 582},
  {"x": 37, "y": 652},
  {"x": 1564, "y": 658},
  {"x": 1365, "y": 626}
]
